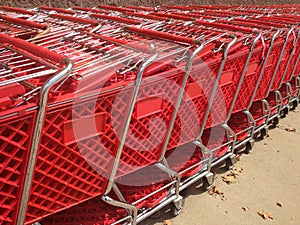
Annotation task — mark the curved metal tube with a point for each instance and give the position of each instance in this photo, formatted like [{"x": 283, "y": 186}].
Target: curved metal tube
[
  {"x": 295, "y": 67},
  {"x": 251, "y": 118},
  {"x": 216, "y": 85},
  {"x": 265, "y": 103},
  {"x": 279, "y": 103},
  {"x": 44, "y": 32},
  {"x": 230, "y": 131},
  {"x": 263, "y": 68},
  {"x": 280, "y": 58},
  {"x": 37, "y": 135},
  {"x": 259, "y": 35},
  {"x": 206, "y": 150},
  {"x": 127, "y": 122},
  {"x": 179, "y": 99},
  {"x": 290, "y": 59},
  {"x": 122, "y": 205}
]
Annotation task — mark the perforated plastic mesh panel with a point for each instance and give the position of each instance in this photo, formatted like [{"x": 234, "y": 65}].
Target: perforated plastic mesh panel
[{"x": 15, "y": 141}]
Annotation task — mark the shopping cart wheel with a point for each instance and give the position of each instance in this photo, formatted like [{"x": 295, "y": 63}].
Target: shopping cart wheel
[
  {"x": 208, "y": 181},
  {"x": 284, "y": 112},
  {"x": 255, "y": 135},
  {"x": 275, "y": 122},
  {"x": 230, "y": 162},
  {"x": 294, "y": 105},
  {"x": 155, "y": 215},
  {"x": 264, "y": 133},
  {"x": 249, "y": 146},
  {"x": 177, "y": 205}
]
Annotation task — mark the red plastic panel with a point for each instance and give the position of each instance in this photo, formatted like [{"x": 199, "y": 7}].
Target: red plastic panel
[
  {"x": 213, "y": 138},
  {"x": 185, "y": 157},
  {"x": 240, "y": 125},
  {"x": 142, "y": 183},
  {"x": 283, "y": 64},
  {"x": 15, "y": 141},
  {"x": 269, "y": 71},
  {"x": 92, "y": 212}
]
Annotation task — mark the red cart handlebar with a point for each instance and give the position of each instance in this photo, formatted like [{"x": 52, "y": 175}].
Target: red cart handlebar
[{"x": 33, "y": 49}]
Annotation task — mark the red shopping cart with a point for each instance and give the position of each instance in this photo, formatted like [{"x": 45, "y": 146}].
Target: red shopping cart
[
  {"x": 20, "y": 78},
  {"x": 17, "y": 12},
  {"x": 82, "y": 48},
  {"x": 22, "y": 28}
]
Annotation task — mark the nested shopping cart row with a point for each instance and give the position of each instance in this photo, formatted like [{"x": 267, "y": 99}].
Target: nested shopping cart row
[{"x": 127, "y": 106}]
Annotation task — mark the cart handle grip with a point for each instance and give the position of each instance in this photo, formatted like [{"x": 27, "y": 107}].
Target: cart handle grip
[
  {"x": 89, "y": 9},
  {"x": 122, "y": 42},
  {"x": 33, "y": 49},
  {"x": 144, "y": 8},
  {"x": 182, "y": 7},
  {"x": 173, "y": 16},
  {"x": 116, "y": 19},
  {"x": 23, "y": 22},
  {"x": 75, "y": 19},
  {"x": 225, "y": 26},
  {"x": 162, "y": 35},
  {"x": 61, "y": 10},
  {"x": 147, "y": 16},
  {"x": 17, "y": 10},
  {"x": 115, "y": 8}
]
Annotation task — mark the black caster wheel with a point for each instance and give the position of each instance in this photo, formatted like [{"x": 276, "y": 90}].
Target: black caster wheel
[
  {"x": 184, "y": 192},
  {"x": 177, "y": 206},
  {"x": 249, "y": 146},
  {"x": 275, "y": 122},
  {"x": 208, "y": 181},
  {"x": 284, "y": 112},
  {"x": 155, "y": 215},
  {"x": 264, "y": 133},
  {"x": 255, "y": 135},
  {"x": 294, "y": 105},
  {"x": 230, "y": 162}
]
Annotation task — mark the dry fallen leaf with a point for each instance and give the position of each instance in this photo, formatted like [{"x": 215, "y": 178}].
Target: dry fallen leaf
[
  {"x": 246, "y": 209},
  {"x": 279, "y": 204},
  {"x": 265, "y": 215},
  {"x": 219, "y": 192},
  {"x": 228, "y": 179},
  {"x": 237, "y": 169},
  {"x": 238, "y": 158},
  {"x": 233, "y": 173},
  {"x": 290, "y": 129},
  {"x": 214, "y": 190},
  {"x": 211, "y": 192},
  {"x": 166, "y": 222}
]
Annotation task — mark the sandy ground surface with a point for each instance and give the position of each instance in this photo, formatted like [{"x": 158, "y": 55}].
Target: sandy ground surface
[{"x": 269, "y": 182}]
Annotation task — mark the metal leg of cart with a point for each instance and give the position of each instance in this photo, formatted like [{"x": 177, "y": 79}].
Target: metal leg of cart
[
  {"x": 230, "y": 157},
  {"x": 284, "y": 109},
  {"x": 248, "y": 142},
  {"x": 37, "y": 134},
  {"x": 262, "y": 130}
]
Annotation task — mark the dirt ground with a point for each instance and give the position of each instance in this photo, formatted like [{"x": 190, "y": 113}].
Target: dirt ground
[
  {"x": 92, "y": 3},
  {"x": 267, "y": 181}
]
